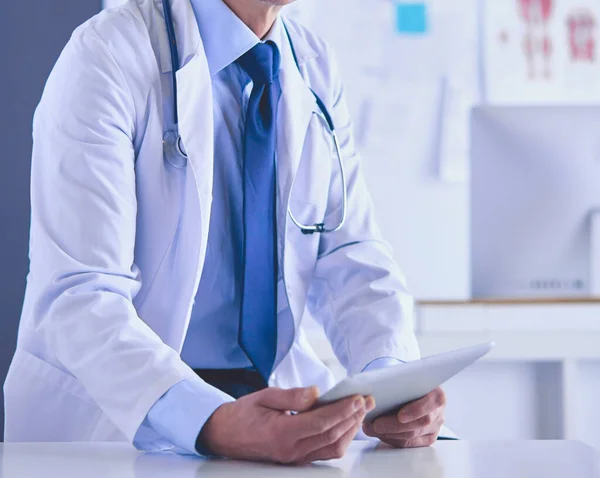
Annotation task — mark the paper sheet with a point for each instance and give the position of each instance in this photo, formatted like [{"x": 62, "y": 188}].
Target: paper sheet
[{"x": 454, "y": 144}]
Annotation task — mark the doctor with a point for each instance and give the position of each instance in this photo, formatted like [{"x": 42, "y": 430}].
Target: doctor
[{"x": 169, "y": 279}]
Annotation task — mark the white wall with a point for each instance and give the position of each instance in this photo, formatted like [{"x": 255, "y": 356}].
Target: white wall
[{"x": 425, "y": 221}]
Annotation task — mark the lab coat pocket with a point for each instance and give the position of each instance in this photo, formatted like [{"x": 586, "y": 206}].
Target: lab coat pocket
[{"x": 44, "y": 403}]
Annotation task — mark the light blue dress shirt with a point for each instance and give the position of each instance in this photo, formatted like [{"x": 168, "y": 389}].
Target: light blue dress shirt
[{"x": 212, "y": 338}]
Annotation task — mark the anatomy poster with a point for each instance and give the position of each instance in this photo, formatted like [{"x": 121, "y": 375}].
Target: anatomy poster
[{"x": 542, "y": 51}]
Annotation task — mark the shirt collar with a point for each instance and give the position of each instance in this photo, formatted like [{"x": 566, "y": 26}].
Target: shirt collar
[
  {"x": 225, "y": 36},
  {"x": 277, "y": 33}
]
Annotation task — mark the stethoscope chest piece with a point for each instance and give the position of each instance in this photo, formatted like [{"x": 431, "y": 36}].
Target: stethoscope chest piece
[{"x": 173, "y": 150}]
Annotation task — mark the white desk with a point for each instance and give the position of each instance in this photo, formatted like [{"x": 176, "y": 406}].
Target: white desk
[{"x": 550, "y": 459}]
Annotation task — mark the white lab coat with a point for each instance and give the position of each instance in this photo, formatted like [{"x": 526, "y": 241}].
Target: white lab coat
[{"x": 119, "y": 235}]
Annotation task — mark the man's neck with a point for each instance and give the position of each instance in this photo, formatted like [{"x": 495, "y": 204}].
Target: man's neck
[{"x": 257, "y": 15}]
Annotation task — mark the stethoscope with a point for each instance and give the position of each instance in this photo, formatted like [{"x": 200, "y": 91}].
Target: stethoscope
[{"x": 175, "y": 152}]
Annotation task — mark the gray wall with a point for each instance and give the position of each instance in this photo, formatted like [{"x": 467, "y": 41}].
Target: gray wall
[{"x": 32, "y": 34}]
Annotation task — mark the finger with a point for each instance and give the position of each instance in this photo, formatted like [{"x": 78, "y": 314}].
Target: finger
[
  {"x": 424, "y": 406},
  {"x": 434, "y": 427},
  {"x": 406, "y": 435},
  {"x": 368, "y": 429},
  {"x": 319, "y": 420},
  {"x": 335, "y": 433},
  {"x": 296, "y": 399},
  {"x": 419, "y": 442},
  {"x": 309, "y": 445},
  {"x": 391, "y": 424},
  {"x": 334, "y": 450}
]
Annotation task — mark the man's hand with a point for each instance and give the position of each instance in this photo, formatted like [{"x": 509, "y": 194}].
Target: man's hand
[
  {"x": 261, "y": 427},
  {"x": 417, "y": 424}
]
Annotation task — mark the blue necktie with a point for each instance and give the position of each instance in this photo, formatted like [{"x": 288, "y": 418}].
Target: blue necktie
[{"x": 258, "y": 314}]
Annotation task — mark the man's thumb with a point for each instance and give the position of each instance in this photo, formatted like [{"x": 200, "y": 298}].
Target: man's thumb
[{"x": 295, "y": 399}]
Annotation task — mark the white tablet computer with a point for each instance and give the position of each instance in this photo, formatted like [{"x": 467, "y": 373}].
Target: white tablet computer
[{"x": 395, "y": 386}]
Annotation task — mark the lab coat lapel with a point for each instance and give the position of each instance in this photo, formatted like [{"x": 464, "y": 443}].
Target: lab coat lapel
[
  {"x": 196, "y": 121},
  {"x": 194, "y": 91},
  {"x": 195, "y": 107},
  {"x": 294, "y": 114},
  {"x": 187, "y": 34}
]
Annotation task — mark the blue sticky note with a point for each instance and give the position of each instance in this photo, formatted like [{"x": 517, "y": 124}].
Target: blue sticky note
[{"x": 411, "y": 18}]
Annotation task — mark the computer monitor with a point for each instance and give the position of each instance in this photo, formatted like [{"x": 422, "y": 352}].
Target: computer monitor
[{"x": 535, "y": 193}]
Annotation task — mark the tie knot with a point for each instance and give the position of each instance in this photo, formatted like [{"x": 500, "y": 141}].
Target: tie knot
[{"x": 261, "y": 62}]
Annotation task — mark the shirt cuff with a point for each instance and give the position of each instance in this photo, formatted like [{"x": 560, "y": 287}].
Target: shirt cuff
[
  {"x": 179, "y": 415},
  {"x": 383, "y": 362}
]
